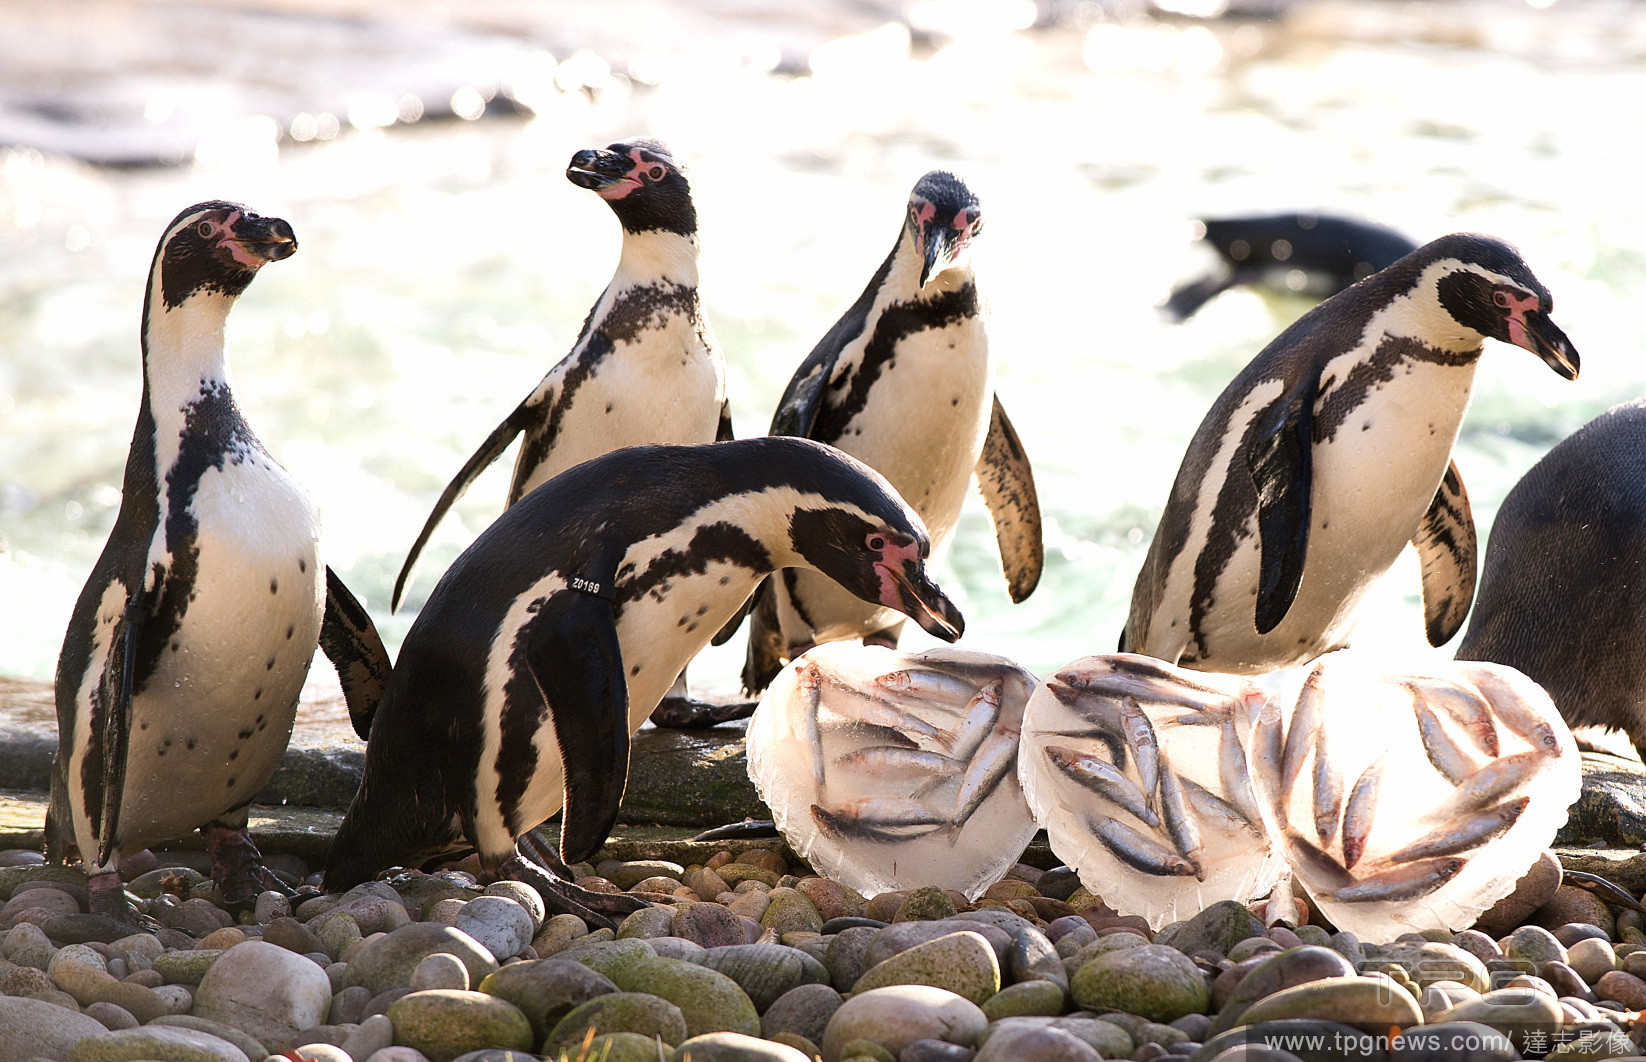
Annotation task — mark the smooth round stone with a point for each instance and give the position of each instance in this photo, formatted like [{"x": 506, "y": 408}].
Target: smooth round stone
[
  {"x": 1532, "y": 944},
  {"x": 558, "y": 934},
  {"x": 763, "y": 971},
  {"x": 264, "y": 990},
  {"x": 607, "y": 956},
  {"x": 369, "y": 1037},
  {"x": 709, "y": 1001},
  {"x": 1591, "y": 957},
  {"x": 1565, "y": 981},
  {"x": 735, "y": 1047},
  {"x": 140, "y": 1002},
  {"x": 925, "y": 905},
  {"x": 292, "y": 935},
  {"x": 1031, "y": 1044},
  {"x": 935, "y": 1051},
  {"x": 1430, "y": 961},
  {"x": 735, "y": 874},
  {"x": 25, "y": 981},
  {"x": 902, "y": 936},
  {"x": 323, "y": 1052},
  {"x": 1370, "y": 1002},
  {"x": 708, "y": 924},
  {"x": 1026, "y": 998},
  {"x": 1526, "y": 1016},
  {"x": 1216, "y": 928},
  {"x": 336, "y": 932},
  {"x": 894, "y": 1017},
  {"x": 1572, "y": 904},
  {"x": 388, "y": 961},
  {"x": 764, "y": 857},
  {"x": 440, "y": 970},
  {"x": 836, "y": 925},
  {"x": 612, "y": 1047},
  {"x": 444, "y": 1023},
  {"x": 847, "y": 956},
  {"x": 82, "y": 928},
  {"x": 1339, "y": 1042},
  {"x": 527, "y": 897},
  {"x": 186, "y": 967},
  {"x": 1624, "y": 988},
  {"x": 705, "y": 883},
  {"x": 789, "y": 912},
  {"x": 1456, "y": 1041},
  {"x": 962, "y": 963},
  {"x": 250, "y": 1045},
  {"x": 676, "y": 948},
  {"x": 37, "y": 1029},
  {"x": 1477, "y": 944},
  {"x": 79, "y": 978},
  {"x": 400, "y": 1054},
  {"x": 804, "y": 1011},
  {"x": 750, "y": 905},
  {"x": 1572, "y": 932},
  {"x": 157, "y": 1043},
  {"x": 832, "y": 899},
  {"x": 501, "y": 926},
  {"x": 626, "y": 875},
  {"x": 1153, "y": 981},
  {"x": 648, "y": 922},
  {"x": 42, "y": 897},
  {"x": 271, "y": 905},
  {"x": 177, "y": 999},
  {"x": 636, "y": 1012},
  {"x": 1245, "y": 949},
  {"x": 546, "y": 990},
  {"x": 1443, "y": 996},
  {"x": 111, "y": 1016}
]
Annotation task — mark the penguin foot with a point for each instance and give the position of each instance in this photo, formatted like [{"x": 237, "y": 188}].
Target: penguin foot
[
  {"x": 237, "y": 866},
  {"x": 108, "y": 900},
  {"x": 562, "y": 897},
  {"x": 687, "y": 713}
]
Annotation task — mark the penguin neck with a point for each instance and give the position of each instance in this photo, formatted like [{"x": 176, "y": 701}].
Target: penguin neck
[
  {"x": 903, "y": 278},
  {"x": 184, "y": 352},
  {"x": 657, "y": 256},
  {"x": 1418, "y": 314}
]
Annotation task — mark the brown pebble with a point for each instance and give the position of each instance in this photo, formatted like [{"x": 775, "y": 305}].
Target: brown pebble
[
  {"x": 718, "y": 860},
  {"x": 1010, "y": 889},
  {"x": 597, "y": 885},
  {"x": 766, "y": 859},
  {"x": 883, "y": 908},
  {"x": 1049, "y": 909},
  {"x": 1623, "y": 987},
  {"x": 1572, "y": 904}
]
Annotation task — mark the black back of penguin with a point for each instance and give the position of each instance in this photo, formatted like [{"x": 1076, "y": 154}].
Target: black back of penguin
[{"x": 1563, "y": 588}]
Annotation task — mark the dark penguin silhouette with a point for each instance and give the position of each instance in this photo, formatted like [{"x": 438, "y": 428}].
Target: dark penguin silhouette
[
  {"x": 1563, "y": 590},
  {"x": 1328, "y": 453},
  {"x": 180, "y": 672},
  {"x": 1330, "y": 252},
  {"x": 644, "y": 369},
  {"x": 904, "y": 381},
  {"x": 551, "y": 639}
]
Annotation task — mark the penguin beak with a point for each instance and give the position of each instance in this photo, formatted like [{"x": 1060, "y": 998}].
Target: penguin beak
[
  {"x": 1537, "y": 333},
  {"x": 920, "y": 599},
  {"x": 264, "y": 239},
  {"x": 941, "y": 246},
  {"x": 599, "y": 171}
]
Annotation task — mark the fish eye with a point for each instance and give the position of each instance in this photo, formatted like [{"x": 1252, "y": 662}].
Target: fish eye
[{"x": 876, "y": 542}]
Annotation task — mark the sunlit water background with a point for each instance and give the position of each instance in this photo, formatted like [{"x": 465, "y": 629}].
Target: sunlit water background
[{"x": 445, "y": 264}]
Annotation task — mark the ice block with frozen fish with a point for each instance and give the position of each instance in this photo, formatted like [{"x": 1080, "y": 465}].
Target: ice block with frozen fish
[{"x": 890, "y": 770}]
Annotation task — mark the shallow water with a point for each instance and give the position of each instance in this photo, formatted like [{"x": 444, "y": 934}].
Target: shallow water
[{"x": 444, "y": 265}]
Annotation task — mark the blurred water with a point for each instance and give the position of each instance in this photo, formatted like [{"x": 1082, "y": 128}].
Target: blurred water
[{"x": 444, "y": 265}]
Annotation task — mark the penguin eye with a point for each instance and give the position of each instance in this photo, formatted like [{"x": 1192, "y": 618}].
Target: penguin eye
[
  {"x": 876, "y": 542},
  {"x": 206, "y": 229},
  {"x": 1501, "y": 298},
  {"x": 656, "y": 172}
]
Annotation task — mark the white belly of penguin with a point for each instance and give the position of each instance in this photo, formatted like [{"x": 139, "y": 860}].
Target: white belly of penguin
[
  {"x": 923, "y": 428},
  {"x": 213, "y": 722},
  {"x": 660, "y": 634},
  {"x": 660, "y": 390},
  {"x": 1372, "y": 483}
]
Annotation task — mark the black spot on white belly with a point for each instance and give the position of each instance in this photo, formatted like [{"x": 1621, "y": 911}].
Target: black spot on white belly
[
  {"x": 191, "y": 743},
  {"x": 231, "y": 781},
  {"x": 290, "y": 630},
  {"x": 269, "y": 666},
  {"x": 274, "y": 586},
  {"x": 175, "y": 647},
  {"x": 954, "y": 401},
  {"x": 246, "y": 733},
  {"x": 302, "y": 565},
  {"x": 257, "y": 695},
  {"x": 702, "y": 610},
  {"x": 234, "y": 754},
  {"x": 635, "y": 670},
  {"x": 608, "y": 407}
]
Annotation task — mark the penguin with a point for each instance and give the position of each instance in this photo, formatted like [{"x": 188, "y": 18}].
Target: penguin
[
  {"x": 904, "y": 382},
  {"x": 1563, "y": 588},
  {"x": 552, "y": 637},
  {"x": 1329, "y": 252},
  {"x": 645, "y": 367},
  {"x": 1329, "y": 452},
  {"x": 178, "y": 680}
]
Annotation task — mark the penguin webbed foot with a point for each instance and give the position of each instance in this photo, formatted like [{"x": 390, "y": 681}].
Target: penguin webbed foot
[
  {"x": 237, "y": 867},
  {"x": 562, "y": 897},
  {"x": 688, "y": 713},
  {"x": 108, "y": 899}
]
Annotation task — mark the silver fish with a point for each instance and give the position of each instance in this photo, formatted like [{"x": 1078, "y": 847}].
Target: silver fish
[
  {"x": 1512, "y": 710},
  {"x": 1453, "y": 761},
  {"x": 1234, "y": 774},
  {"x": 1136, "y": 850},
  {"x": 889, "y": 811},
  {"x": 1328, "y": 792},
  {"x": 1136, "y": 665},
  {"x": 926, "y": 685},
  {"x": 877, "y": 712},
  {"x": 1180, "y": 821},
  {"x": 1302, "y": 730},
  {"x": 883, "y": 735},
  {"x": 1466, "y": 706},
  {"x": 1303, "y": 855},
  {"x": 1110, "y": 685},
  {"x": 1265, "y": 761},
  {"x": 893, "y": 760},
  {"x": 841, "y": 825},
  {"x": 1471, "y": 831},
  {"x": 1492, "y": 782},
  {"x": 1405, "y": 882},
  {"x": 993, "y": 762},
  {"x": 1214, "y": 810},
  {"x": 1099, "y": 711},
  {"x": 981, "y": 714},
  {"x": 1114, "y": 743},
  {"x": 1106, "y": 781},
  {"x": 1140, "y": 738},
  {"x": 810, "y": 680},
  {"x": 1361, "y": 809}
]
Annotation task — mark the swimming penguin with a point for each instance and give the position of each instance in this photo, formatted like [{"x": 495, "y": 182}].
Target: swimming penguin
[
  {"x": 550, "y": 640},
  {"x": 1563, "y": 589},
  {"x": 1326, "y": 455},
  {"x": 180, "y": 672},
  {"x": 1328, "y": 253},
  {"x": 904, "y": 382},
  {"x": 645, "y": 368}
]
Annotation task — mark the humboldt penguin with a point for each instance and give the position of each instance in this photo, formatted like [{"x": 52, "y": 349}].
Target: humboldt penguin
[
  {"x": 1325, "y": 252},
  {"x": 904, "y": 381},
  {"x": 644, "y": 369},
  {"x": 1563, "y": 588},
  {"x": 180, "y": 671},
  {"x": 1327, "y": 454},
  {"x": 551, "y": 639}
]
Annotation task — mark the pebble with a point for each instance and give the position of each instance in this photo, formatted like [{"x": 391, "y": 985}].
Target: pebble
[
  {"x": 1154, "y": 981},
  {"x": 804, "y": 1010},
  {"x": 1572, "y": 904},
  {"x": 111, "y": 1016},
  {"x": 735, "y": 874},
  {"x": 846, "y": 958},
  {"x": 249, "y": 1045},
  {"x": 636, "y": 1012},
  {"x": 925, "y": 905},
  {"x": 902, "y": 936},
  {"x": 1623, "y": 987},
  {"x": 832, "y": 899},
  {"x": 444, "y": 1023},
  {"x": 1524, "y": 1015},
  {"x": 708, "y": 924},
  {"x": 936, "y": 1051},
  {"x": 37, "y": 1029},
  {"x": 558, "y": 934},
  {"x": 709, "y": 1001},
  {"x": 894, "y": 1017},
  {"x": 1431, "y": 961},
  {"x": 1370, "y": 1002},
  {"x": 964, "y": 963},
  {"x": 1028, "y": 998},
  {"x": 439, "y": 970},
  {"x": 1036, "y": 1044},
  {"x": 159, "y": 1043},
  {"x": 1535, "y": 945},
  {"x": 1590, "y": 957},
  {"x": 388, "y": 962},
  {"x": 647, "y": 922},
  {"x": 546, "y": 990},
  {"x": 264, "y": 990},
  {"x": 607, "y": 956},
  {"x": 500, "y": 925},
  {"x": 789, "y": 911},
  {"x": 765, "y": 972},
  {"x": 1217, "y": 928},
  {"x": 736, "y": 1047}
]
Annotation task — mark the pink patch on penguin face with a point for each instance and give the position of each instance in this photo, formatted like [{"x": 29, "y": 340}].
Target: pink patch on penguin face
[
  {"x": 230, "y": 240},
  {"x": 920, "y": 215},
  {"x": 643, "y": 170},
  {"x": 890, "y": 566},
  {"x": 1515, "y": 317}
]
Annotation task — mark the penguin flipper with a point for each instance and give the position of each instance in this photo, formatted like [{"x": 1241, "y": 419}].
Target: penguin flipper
[
  {"x": 114, "y": 736},
  {"x": 1007, "y": 482},
  {"x": 1281, "y": 462},
  {"x": 478, "y": 462},
  {"x": 725, "y": 633},
  {"x": 576, "y": 660},
  {"x": 724, "y": 433},
  {"x": 765, "y": 656},
  {"x": 350, "y": 641},
  {"x": 1445, "y": 541}
]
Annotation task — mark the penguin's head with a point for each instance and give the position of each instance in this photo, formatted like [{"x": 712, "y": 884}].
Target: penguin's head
[
  {"x": 1488, "y": 288},
  {"x": 880, "y": 558},
  {"x": 944, "y": 217},
  {"x": 642, "y": 183},
  {"x": 216, "y": 248}
]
